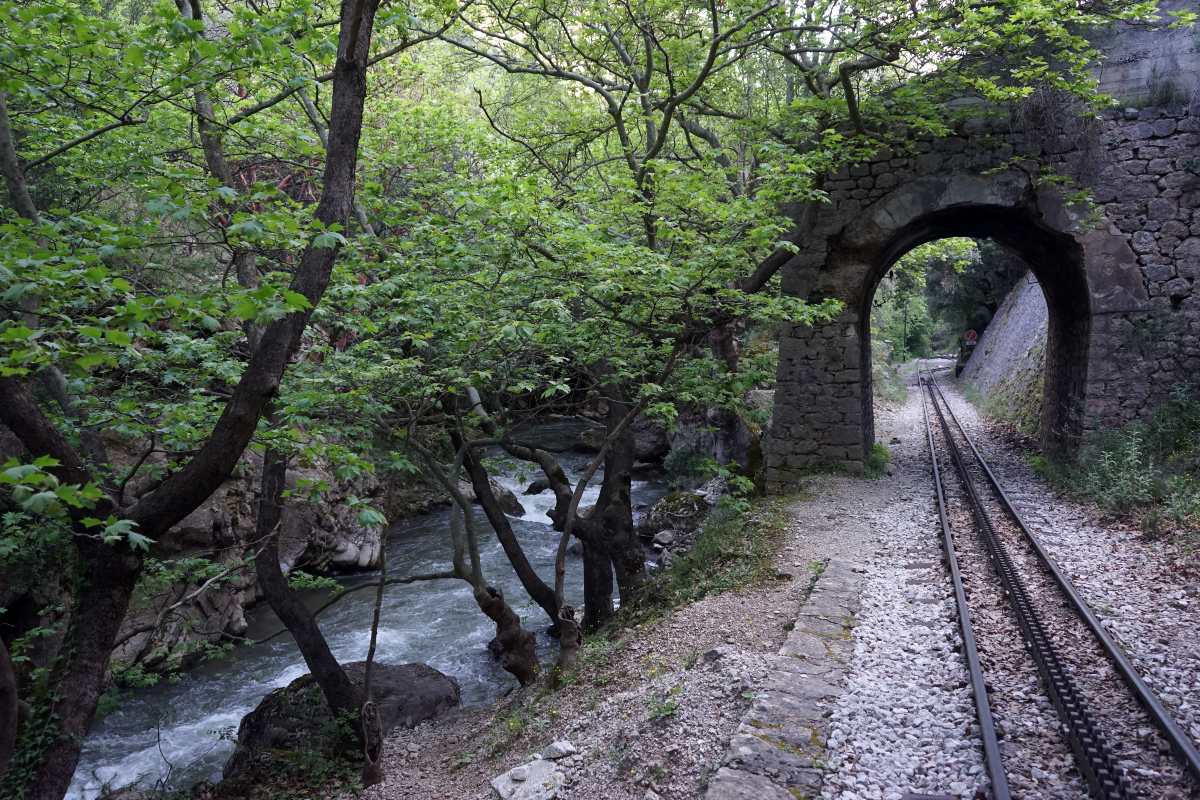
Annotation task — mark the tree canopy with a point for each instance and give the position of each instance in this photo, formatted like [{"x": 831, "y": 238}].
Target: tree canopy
[{"x": 387, "y": 234}]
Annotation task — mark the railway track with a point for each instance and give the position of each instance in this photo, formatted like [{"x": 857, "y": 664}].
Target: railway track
[{"x": 1026, "y": 631}]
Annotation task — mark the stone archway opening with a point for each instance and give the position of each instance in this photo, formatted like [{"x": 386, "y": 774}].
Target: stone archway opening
[{"x": 1056, "y": 260}]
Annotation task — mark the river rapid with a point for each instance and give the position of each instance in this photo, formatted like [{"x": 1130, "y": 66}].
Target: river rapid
[{"x": 181, "y": 732}]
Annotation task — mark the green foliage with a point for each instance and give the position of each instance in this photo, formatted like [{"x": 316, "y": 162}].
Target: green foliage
[
  {"x": 302, "y": 581},
  {"x": 667, "y": 705},
  {"x": 888, "y": 382},
  {"x": 1151, "y": 468},
  {"x": 877, "y": 461},
  {"x": 36, "y": 734},
  {"x": 900, "y": 316},
  {"x": 735, "y": 548}
]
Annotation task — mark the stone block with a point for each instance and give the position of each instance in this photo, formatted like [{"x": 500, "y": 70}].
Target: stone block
[
  {"x": 1143, "y": 130},
  {"x": 1177, "y": 180},
  {"x": 1164, "y": 127},
  {"x": 1159, "y": 166},
  {"x": 1144, "y": 242},
  {"x": 1178, "y": 287},
  {"x": 1163, "y": 209},
  {"x": 1158, "y": 273},
  {"x": 886, "y": 181}
]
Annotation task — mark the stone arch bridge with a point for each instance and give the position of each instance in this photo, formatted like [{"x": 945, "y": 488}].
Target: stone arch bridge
[{"x": 1120, "y": 272}]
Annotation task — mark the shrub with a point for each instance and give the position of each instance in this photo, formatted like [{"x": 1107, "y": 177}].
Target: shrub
[
  {"x": 1152, "y": 467},
  {"x": 877, "y": 461},
  {"x": 735, "y": 548}
]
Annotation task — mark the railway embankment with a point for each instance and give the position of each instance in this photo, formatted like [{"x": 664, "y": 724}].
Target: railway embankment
[{"x": 1005, "y": 372}]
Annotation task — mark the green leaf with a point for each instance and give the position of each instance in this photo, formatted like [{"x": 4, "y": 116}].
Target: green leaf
[
  {"x": 328, "y": 240},
  {"x": 370, "y": 518}
]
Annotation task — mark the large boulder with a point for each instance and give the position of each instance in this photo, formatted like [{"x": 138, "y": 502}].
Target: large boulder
[
  {"x": 651, "y": 442},
  {"x": 555, "y": 434},
  {"x": 508, "y": 501},
  {"x": 295, "y": 721}
]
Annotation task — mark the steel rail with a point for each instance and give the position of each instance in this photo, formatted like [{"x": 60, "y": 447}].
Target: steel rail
[
  {"x": 1183, "y": 746},
  {"x": 1092, "y": 754},
  {"x": 983, "y": 710}
]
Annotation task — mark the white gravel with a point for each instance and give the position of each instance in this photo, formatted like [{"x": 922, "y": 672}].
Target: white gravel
[{"x": 906, "y": 720}]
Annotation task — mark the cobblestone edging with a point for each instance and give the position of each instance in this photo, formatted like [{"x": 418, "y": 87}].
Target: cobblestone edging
[{"x": 779, "y": 748}]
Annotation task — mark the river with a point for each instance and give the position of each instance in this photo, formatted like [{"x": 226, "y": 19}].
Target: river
[{"x": 180, "y": 732}]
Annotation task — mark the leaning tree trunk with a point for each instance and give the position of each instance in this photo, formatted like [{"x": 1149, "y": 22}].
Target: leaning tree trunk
[
  {"x": 597, "y": 587},
  {"x": 516, "y": 645},
  {"x": 340, "y": 693},
  {"x": 9, "y": 708},
  {"x": 614, "y": 508},
  {"x": 534, "y": 586}
]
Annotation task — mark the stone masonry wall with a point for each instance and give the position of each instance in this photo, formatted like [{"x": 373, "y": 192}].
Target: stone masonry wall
[{"x": 1140, "y": 243}]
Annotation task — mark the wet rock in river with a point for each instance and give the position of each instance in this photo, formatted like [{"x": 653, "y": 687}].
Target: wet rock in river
[{"x": 295, "y": 720}]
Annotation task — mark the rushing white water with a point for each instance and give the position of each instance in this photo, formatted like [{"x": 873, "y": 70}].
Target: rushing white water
[{"x": 178, "y": 733}]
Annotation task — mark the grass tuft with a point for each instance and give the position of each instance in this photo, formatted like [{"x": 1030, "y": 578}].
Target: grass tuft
[
  {"x": 734, "y": 549},
  {"x": 877, "y": 461},
  {"x": 1151, "y": 469}
]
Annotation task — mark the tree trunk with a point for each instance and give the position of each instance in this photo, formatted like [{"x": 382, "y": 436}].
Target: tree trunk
[
  {"x": 340, "y": 693},
  {"x": 537, "y": 589},
  {"x": 570, "y": 637},
  {"x": 111, "y": 573},
  {"x": 9, "y": 707},
  {"x": 614, "y": 508},
  {"x": 10, "y": 166},
  {"x": 517, "y": 654},
  {"x": 731, "y": 441},
  {"x": 597, "y": 586}
]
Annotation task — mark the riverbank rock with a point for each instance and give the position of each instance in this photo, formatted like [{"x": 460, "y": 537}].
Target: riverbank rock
[
  {"x": 168, "y": 629},
  {"x": 651, "y": 441},
  {"x": 509, "y": 503},
  {"x": 682, "y": 511},
  {"x": 540, "y": 779},
  {"x": 293, "y": 725},
  {"x": 701, "y": 436}
]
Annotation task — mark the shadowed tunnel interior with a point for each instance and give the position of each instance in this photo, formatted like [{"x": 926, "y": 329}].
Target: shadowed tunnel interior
[{"x": 1057, "y": 262}]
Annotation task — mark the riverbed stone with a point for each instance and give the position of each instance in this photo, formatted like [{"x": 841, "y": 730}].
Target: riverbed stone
[
  {"x": 539, "y": 779},
  {"x": 294, "y": 722},
  {"x": 508, "y": 501}
]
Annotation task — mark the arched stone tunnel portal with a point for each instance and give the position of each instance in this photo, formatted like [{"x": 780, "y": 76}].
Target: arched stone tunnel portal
[
  {"x": 1055, "y": 258},
  {"x": 1099, "y": 293},
  {"x": 1121, "y": 275}
]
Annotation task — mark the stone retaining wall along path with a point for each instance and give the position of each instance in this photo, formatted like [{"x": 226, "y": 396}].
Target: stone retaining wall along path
[{"x": 779, "y": 749}]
